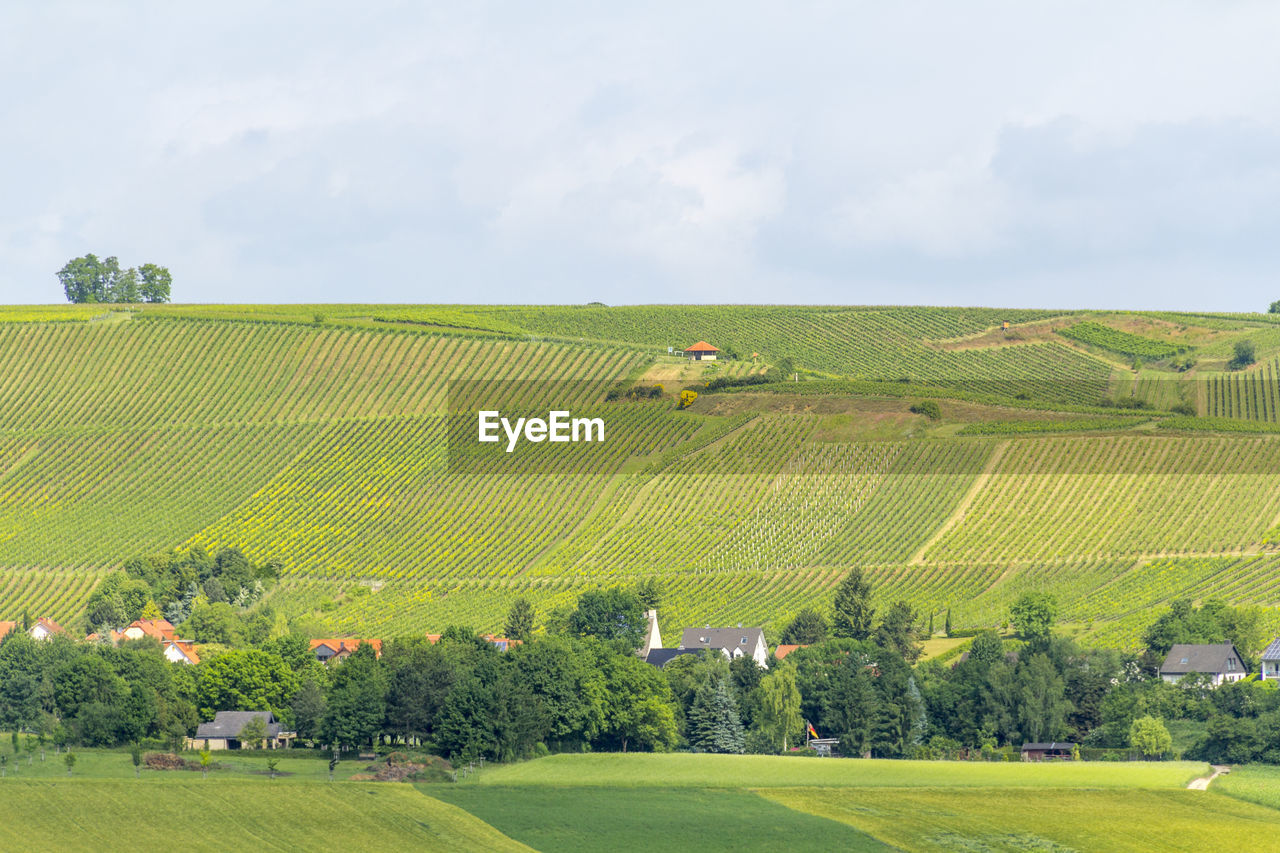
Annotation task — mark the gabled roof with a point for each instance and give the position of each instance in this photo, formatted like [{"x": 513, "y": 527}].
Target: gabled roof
[
  {"x": 187, "y": 650},
  {"x": 6, "y": 627},
  {"x": 722, "y": 638},
  {"x": 1049, "y": 746},
  {"x": 1210, "y": 658},
  {"x": 346, "y": 645},
  {"x": 161, "y": 629},
  {"x": 49, "y": 625},
  {"x": 787, "y": 648},
  {"x": 1271, "y": 652},
  {"x": 230, "y": 723},
  {"x": 701, "y": 346}
]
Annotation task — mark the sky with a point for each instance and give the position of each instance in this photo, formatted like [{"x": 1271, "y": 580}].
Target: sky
[{"x": 1059, "y": 155}]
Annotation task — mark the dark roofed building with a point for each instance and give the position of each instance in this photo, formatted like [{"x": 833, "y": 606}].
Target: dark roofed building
[
  {"x": 662, "y": 657},
  {"x": 1047, "y": 751},
  {"x": 1220, "y": 661},
  {"x": 223, "y": 731},
  {"x": 734, "y": 642}
]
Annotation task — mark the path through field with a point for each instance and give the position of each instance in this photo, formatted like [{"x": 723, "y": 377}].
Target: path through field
[{"x": 1202, "y": 784}]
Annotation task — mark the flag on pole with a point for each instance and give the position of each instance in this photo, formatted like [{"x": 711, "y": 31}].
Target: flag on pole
[{"x": 812, "y": 732}]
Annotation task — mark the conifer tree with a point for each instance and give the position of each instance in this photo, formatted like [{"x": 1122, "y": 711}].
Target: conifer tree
[{"x": 714, "y": 725}]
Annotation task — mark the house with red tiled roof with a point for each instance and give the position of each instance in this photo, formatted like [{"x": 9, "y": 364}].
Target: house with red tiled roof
[
  {"x": 701, "y": 351},
  {"x": 338, "y": 649},
  {"x": 6, "y": 627},
  {"x": 160, "y": 629},
  {"x": 45, "y": 628}
]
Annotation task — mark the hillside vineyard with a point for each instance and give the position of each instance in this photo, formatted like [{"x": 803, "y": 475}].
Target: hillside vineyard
[{"x": 1118, "y": 461}]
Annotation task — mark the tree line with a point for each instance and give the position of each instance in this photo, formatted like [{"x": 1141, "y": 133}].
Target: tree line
[{"x": 575, "y": 683}]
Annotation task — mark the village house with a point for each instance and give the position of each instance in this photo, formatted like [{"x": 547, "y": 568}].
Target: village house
[
  {"x": 1220, "y": 661},
  {"x": 181, "y": 651},
  {"x": 6, "y": 627},
  {"x": 45, "y": 628},
  {"x": 502, "y": 644},
  {"x": 1270, "y": 670},
  {"x": 734, "y": 642},
  {"x": 701, "y": 351},
  {"x": 224, "y": 730},
  {"x": 341, "y": 648}
]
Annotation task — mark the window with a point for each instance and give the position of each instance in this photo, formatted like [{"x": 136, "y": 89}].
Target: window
[{"x": 744, "y": 641}]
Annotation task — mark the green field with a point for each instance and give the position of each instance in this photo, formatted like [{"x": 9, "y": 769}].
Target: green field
[
  {"x": 768, "y": 771},
  {"x": 95, "y": 814},
  {"x": 634, "y": 802},
  {"x": 317, "y": 436},
  {"x": 928, "y": 806}
]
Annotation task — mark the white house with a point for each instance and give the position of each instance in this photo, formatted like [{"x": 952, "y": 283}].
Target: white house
[
  {"x": 1271, "y": 662},
  {"x": 44, "y": 629},
  {"x": 733, "y": 642},
  {"x": 1220, "y": 661},
  {"x": 180, "y": 651}
]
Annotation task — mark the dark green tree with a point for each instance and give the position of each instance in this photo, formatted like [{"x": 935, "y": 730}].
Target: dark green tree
[
  {"x": 900, "y": 632},
  {"x": 649, "y": 591},
  {"x": 1244, "y": 355},
  {"x": 519, "y": 624},
  {"x": 852, "y": 613},
  {"x": 609, "y": 614},
  {"x": 1033, "y": 613},
  {"x": 808, "y": 627},
  {"x": 308, "y": 708},
  {"x": 154, "y": 283},
  {"x": 714, "y": 725},
  {"x": 356, "y": 701}
]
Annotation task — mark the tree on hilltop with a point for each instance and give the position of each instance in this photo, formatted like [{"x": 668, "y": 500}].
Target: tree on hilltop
[{"x": 88, "y": 279}]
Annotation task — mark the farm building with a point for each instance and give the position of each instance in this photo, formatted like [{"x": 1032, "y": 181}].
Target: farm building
[
  {"x": 701, "y": 351},
  {"x": 1270, "y": 660},
  {"x": 223, "y": 731},
  {"x": 1047, "y": 751},
  {"x": 1220, "y": 661},
  {"x": 734, "y": 642}
]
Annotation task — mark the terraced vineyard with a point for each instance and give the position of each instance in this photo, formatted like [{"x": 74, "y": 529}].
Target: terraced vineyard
[{"x": 336, "y": 440}]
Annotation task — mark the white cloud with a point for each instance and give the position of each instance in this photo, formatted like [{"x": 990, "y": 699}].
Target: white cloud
[{"x": 862, "y": 152}]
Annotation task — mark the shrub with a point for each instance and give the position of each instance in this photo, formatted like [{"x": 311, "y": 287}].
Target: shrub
[{"x": 928, "y": 408}]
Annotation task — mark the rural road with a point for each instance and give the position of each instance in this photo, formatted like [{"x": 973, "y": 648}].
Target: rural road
[{"x": 1202, "y": 784}]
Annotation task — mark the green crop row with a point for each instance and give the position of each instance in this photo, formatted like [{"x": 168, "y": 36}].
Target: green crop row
[{"x": 1124, "y": 343}]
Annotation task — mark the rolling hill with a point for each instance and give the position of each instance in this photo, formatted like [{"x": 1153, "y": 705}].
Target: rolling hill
[{"x": 332, "y": 439}]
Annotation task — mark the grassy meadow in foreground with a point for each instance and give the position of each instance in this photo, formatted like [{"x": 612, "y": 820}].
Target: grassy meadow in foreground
[
  {"x": 640, "y": 820},
  {"x": 103, "y": 814},
  {"x": 1053, "y": 819}
]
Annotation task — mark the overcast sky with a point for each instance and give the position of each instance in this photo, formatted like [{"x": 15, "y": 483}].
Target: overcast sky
[{"x": 1016, "y": 154}]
